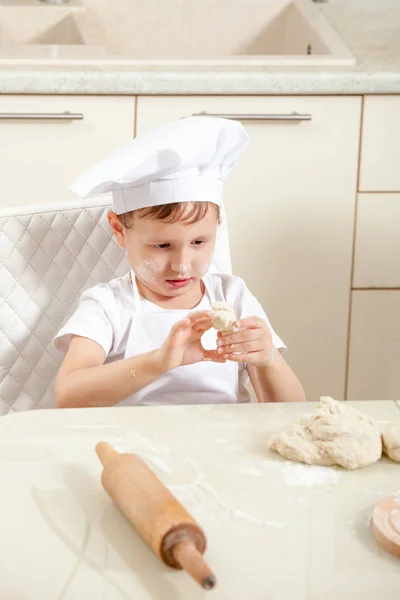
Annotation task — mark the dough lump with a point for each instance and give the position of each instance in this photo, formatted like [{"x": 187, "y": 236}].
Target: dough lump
[
  {"x": 391, "y": 441},
  {"x": 336, "y": 434},
  {"x": 224, "y": 316}
]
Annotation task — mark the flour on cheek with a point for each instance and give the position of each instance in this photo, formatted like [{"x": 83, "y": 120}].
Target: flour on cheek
[{"x": 147, "y": 270}]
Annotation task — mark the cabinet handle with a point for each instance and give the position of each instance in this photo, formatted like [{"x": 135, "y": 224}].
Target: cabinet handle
[
  {"x": 292, "y": 117},
  {"x": 65, "y": 116}
]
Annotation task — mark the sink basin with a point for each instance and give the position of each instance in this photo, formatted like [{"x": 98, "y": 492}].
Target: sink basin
[
  {"x": 20, "y": 27},
  {"x": 211, "y": 32},
  {"x": 30, "y": 29},
  {"x": 171, "y": 32}
]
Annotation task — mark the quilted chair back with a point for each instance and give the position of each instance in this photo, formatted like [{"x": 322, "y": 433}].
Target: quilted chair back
[{"x": 49, "y": 255}]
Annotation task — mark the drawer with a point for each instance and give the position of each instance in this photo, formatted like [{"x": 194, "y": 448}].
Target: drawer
[
  {"x": 40, "y": 157},
  {"x": 377, "y": 248},
  {"x": 380, "y": 148},
  {"x": 373, "y": 372}
]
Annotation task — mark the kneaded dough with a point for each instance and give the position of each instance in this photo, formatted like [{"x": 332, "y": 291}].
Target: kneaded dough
[
  {"x": 336, "y": 434},
  {"x": 391, "y": 441},
  {"x": 224, "y": 316}
]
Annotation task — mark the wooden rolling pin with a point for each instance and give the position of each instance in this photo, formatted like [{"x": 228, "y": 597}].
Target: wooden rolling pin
[{"x": 162, "y": 522}]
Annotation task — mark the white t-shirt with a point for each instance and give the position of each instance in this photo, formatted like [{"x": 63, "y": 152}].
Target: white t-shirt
[{"x": 106, "y": 311}]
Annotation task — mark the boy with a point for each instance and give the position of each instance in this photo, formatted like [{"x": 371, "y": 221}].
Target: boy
[{"x": 146, "y": 338}]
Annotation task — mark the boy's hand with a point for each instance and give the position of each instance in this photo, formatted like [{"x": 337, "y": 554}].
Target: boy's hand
[
  {"x": 251, "y": 343},
  {"x": 183, "y": 344}
]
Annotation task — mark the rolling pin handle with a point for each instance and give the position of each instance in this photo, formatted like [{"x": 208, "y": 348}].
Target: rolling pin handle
[
  {"x": 105, "y": 452},
  {"x": 191, "y": 560}
]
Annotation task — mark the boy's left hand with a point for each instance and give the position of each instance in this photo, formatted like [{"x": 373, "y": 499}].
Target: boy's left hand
[{"x": 251, "y": 343}]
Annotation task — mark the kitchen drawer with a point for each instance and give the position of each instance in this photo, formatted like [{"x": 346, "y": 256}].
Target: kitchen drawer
[
  {"x": 40, "y": 157},
  {"x": 374, "y": 372},
  {"x": 380, "y": 149},
  {"x": 377, "y": 249}
]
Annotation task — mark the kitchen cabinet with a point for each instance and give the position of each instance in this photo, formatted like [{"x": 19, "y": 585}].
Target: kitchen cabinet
[
  {"x": 380, "y": 148},
  {"x": 374, "y": 345},
  {"x": 290, "y": 206},
  {"x": 377, "y": 248},
  {"x": 43, "y": 150}
]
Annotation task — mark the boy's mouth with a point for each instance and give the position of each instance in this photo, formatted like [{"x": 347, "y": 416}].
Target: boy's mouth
[{"x": 178, "y": 283}]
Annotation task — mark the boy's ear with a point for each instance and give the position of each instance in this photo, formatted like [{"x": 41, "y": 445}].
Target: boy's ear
[{"x": 117, "y": 228}]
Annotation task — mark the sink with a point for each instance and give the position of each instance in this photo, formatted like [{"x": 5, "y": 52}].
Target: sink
[
  {"x": 30, "y": 29},
  {"x": 212, "y": 32},
  {"x": 20, "y": 27},
  {"x": 171, "y": 32}
]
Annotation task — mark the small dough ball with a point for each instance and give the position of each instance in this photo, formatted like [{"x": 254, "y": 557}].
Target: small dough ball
[
  {"x": 224, "y": 316},
  {"x": 336, "y": 434},
  {"x": 391, "y": 441}
]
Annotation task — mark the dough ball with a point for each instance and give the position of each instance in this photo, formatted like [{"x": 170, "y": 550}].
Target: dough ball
[
  {"x": 224, "y": 316},
  {"x": 391, "y": 441},
  {"x": 336, "y": 434}
]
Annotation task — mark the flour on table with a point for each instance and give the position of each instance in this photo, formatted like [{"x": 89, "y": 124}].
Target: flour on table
[
  {"x": 391, "y": 441},
  {"x": 336, "y": 434}
]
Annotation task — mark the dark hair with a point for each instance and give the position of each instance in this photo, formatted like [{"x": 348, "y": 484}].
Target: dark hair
[{"x": 171, "y": 213}]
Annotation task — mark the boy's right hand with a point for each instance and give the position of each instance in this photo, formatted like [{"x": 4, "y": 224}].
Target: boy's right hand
[{"x": 183, "y": 345}]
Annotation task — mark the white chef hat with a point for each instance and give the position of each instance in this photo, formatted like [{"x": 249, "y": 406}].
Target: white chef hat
[{"x": 184, "y": 161}]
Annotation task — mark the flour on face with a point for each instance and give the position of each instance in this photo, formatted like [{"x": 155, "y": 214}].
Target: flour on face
[{"x": 147, "y": 270}]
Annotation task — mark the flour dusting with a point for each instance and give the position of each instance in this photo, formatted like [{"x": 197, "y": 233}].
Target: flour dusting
[{"x": 298, "y": 475}]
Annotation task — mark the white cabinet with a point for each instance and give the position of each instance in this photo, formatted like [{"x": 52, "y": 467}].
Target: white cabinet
[
  {"x": 374, "y": 350},
  {"x": 374, "y": 372},
  {"x": 290, "y": 206},
  {"x": 40, "y": 157},
  {"x": 380, "y": 149},
  {"x": 377, "y": 249}
]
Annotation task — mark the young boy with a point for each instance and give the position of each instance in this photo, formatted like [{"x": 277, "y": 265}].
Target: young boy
[{"x": 147, "y": 338}]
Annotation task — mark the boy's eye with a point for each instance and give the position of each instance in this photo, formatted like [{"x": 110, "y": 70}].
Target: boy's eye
[{"x": 195, "y": 243}]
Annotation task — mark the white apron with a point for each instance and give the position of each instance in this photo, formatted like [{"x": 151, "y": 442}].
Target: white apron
[{"x": 205, "y": 382}]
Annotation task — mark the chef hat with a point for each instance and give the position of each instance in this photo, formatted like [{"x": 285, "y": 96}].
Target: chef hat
[{"x": 184, "y": 161}]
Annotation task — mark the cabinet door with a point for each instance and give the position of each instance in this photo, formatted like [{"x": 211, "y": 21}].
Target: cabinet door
[
  {"x": 380, "y": 150},
  {"x": 377, "y": 249},
  {"x": 40, "y": 157},
  {"x": 290, "y": 209},
  {"x": 374, "y": 346}
]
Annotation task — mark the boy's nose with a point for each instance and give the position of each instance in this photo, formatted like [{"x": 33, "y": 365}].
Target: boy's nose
[
  {"x": 180, "y": 265},
  {"x": 180, "y": 268}
]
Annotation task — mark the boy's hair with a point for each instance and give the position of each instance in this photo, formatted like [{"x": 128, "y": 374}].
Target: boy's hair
[{"x": 171, "y": 213}]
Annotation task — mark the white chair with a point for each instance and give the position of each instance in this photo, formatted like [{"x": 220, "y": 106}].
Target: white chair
[{"x": 49, "y": 254}]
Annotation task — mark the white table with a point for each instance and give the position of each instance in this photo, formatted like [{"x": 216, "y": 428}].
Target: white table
[{"x": 276, "y": 530}]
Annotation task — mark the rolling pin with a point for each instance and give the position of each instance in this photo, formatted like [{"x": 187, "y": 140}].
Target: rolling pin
[{"x": 161, "y": 521}]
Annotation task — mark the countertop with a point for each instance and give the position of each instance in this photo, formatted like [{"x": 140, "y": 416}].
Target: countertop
[
  {"x": 276, "y": 530},
  {"x": 370, "y": 28}
]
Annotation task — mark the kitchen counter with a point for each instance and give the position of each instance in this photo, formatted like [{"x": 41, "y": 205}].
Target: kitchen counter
[
  {"x": 370, "y": 28},
  {"x": 276, "y": 529}
]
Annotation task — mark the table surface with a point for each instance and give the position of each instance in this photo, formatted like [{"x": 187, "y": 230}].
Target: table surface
[{"x": 276, "y": 530}]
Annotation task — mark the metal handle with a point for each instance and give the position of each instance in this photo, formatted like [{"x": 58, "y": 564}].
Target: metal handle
[
  {"x": 65, "y": 116},
  {"x": 292, "y": 117}
]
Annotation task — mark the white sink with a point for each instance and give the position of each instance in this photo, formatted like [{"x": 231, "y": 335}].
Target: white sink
[
  {"x": 20, "y": 27},
  {"x": 33, "y": 30},
  {"x": 171, "y": 32}
]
